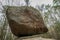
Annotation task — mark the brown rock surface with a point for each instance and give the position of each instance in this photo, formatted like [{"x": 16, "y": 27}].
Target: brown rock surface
[{"x": 25, "y": 22}]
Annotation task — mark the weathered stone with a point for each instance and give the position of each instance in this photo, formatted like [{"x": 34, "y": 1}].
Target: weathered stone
[{"x": 25, "y": 21}]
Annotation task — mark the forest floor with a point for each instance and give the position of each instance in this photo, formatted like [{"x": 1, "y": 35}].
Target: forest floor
[
  {"x": 38, "y": 39},
  {"x": 34, "y": 38}
]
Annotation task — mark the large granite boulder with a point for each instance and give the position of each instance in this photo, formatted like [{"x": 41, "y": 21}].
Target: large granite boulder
[{"x": 25, "y": 21}]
